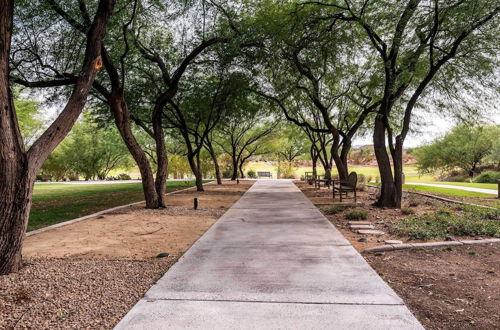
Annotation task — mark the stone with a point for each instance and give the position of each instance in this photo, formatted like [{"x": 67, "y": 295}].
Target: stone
[
  {"x": 393, "y": 241},
  {"x": 361, "y": 227},
  {"x": 360, "y": 222},
  {"x": 100, "y": 217},
  {"x": 162, "y": 255},
  {"x": 379, "y": 254},
  {"x": 478, "y": 238},
  {"x": 363, "y": 239},
  {"x": 370, "y": 232},
  {"x": 449, "y": 238}
]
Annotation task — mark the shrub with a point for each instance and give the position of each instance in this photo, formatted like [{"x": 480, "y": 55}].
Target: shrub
[
  {"x": 123, "y": 176},
  {"x": 488, "y": 177},
  {"x": 251, "y": 174},
  {"x": 335, "y": 209},
  {"x": 407, "y": 210},
  {"x": 357, "y": 215},
  {"x": 470, "y": 221},
  {"x": 227, "y": 173}
]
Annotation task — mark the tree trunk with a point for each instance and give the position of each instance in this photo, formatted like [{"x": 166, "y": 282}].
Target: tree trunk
[
  {"x": 235, "y": 168},
  {"x": 211, "y": 151},
  {"x": 18, "y": 168},
  {"x": 240, "y": 167},
  {"x": 162, "y": 159},
  {"x": 122, "y": 121},
  {"x": 196, "y": 172},
  {"x": 388, "y": 193},
  {"x": 15, "y": 191}
]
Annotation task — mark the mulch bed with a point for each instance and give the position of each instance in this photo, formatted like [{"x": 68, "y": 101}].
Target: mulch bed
[
  {"x": 447, "y": 288},
  {"x": 50, "y": 293}
]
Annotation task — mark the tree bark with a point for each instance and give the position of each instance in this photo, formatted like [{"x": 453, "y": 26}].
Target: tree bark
[
  {"x": 212, "y": 153},
  {"x": 196, "y": 172},
  {"x": 121, "y": 114},
  {"x": 388, "y": 192},
  {"x": 18, "y": 168}
]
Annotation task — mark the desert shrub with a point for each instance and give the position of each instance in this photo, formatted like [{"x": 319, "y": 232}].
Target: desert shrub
[
  {"x": 357, "y": 215},
  {"x": 227, "y": 173},
  {"x": 469, "y": 221},
  {"x": 407, "y": 210},
  {"x": 335, "y": 209},
  {"x": 123, "y": 176},
  {"x": 488, "y": 177},
  {"x": 251, "y": 174}
]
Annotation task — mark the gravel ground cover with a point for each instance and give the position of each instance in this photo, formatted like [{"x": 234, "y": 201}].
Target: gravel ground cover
[
  {"x": 87, "y": 275},
  {"x": 51, "y": 293}
]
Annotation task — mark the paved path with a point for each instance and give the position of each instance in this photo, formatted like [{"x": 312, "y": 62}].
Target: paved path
[
  {"x": 273, "y": 261},
  {"x": 479, "y": 190}
]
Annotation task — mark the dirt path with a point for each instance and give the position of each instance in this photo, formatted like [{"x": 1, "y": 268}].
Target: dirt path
[{"x": 138, "y": 233}]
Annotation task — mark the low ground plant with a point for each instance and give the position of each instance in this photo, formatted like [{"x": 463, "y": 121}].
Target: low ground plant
[
  {"x": 458, "y": 221},
  {"x": 407, "y": 211},
  {"x": 488, "y": 177},
  {"x": 357, "y": 215},
  {"x": 335, "y": 209}
]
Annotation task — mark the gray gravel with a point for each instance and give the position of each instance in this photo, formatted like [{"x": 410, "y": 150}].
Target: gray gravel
[{"x": 51, "y": 293}]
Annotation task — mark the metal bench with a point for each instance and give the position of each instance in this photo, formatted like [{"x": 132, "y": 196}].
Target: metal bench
[{"x": 264, "y": 175}]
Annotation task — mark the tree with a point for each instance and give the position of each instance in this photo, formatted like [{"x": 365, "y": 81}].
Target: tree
[
  {"x": 28, "y": 115},
  {"x": 93, "y": 151},
  {"x": 464, "y": 147},
  {"x": 418, "y": 44},
  {"x": 18, "y": 167}
]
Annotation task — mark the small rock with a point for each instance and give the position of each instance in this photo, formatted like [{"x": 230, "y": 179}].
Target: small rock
[
  {"x": 393, "y": 241},
  {"x": 362, "y": 239},
  {"x": 162, "y": 255},
  {"x": 449, "y": 238},
  {"x": 478, "y": 238},
  {"x": 100, "y": 217},
  {"x": 370, "y": 232},
  {"x": 379, "y": 254}
]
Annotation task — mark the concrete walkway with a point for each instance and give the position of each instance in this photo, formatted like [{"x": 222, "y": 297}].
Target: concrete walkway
[
  {"x": 474, "y": 189},
  {"x": 273, "y": 261}
]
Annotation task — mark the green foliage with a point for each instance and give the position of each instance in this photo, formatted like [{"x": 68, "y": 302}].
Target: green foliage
[
  {"x": 286, "y": 170},
  {"x": 357, "y": 215},
  {"x": 488, "y": 177},
  {"x": 464, "y": 147},
  {"x": 335, "y": 209},
  {"x": 89, "y": 151},
  {"x": 468, "y": 220},
  {"x": 29, "y": 118},
  {"x": 407, "y": 211},
  {"x": 251, "y": 174}
]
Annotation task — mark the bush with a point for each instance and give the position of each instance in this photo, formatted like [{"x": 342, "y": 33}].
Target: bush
[
  {"x": 488, "y": 177},
  {"x": 407, "y": 211},
  {"x": 463, "y": 221},
  {"x": 251, "y": 174},
  {"x": 357, "y": 215},
  {"x": 335, "y": 209},
  {"x": 227, "y": 173},
  {"x": 123, "y": 176}
]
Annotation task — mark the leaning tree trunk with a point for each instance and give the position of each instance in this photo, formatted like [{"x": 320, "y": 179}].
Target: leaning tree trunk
[
  {"x": 196, "y": 172},
  {"x": 240, "y": 167},
  {"x": 122, "y": 119},
  {"x": 388, "y": 191},
  {"x": 18, "y": 168},
  {"x": 212, "y": 153}
]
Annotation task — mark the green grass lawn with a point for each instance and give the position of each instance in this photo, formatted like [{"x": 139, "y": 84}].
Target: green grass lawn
[
  {"x": 58, "y": 202},
  {"x": 446, "y": 191}
]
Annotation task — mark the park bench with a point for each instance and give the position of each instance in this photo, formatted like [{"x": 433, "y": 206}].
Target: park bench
[
  {"x": 309, "y": 177},
  {"x": 264, "y": 175},
  {"x": 344, "y": 187},
  {"x": 320, "y": 179}
]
